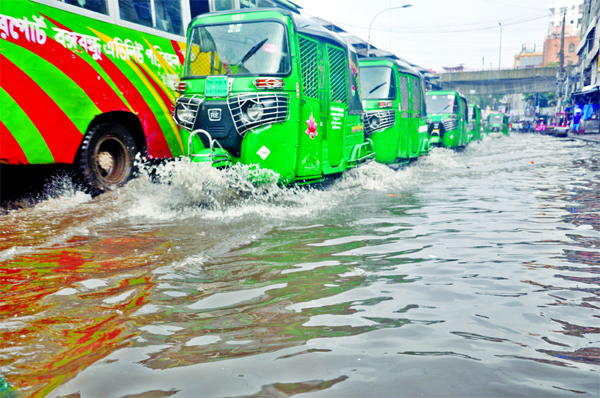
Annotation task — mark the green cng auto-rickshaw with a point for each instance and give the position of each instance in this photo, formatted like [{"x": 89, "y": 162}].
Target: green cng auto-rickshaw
[
  {"x": 395, "y": 115},
  {"x": 497, "y": 123},
  {"x": 447, "y": 118},
  {"x": 475, "y": 128},
  {"x": 270, "y": 88}
]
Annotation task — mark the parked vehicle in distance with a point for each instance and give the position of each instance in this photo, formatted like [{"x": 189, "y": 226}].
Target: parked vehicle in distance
[
  {"x": 271, "y": 88},
  {"x": 395, "y": 115},
  {"x": 497, "y": 123},
  {"x": 447, "y": 119},
  {"x": 561, "y": 125},
  {"x": 475, "y": 125},
  {"x": 542, "y": 123}
]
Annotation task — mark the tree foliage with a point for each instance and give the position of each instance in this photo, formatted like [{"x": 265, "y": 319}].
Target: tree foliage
[{"x": 543, "y": 100}]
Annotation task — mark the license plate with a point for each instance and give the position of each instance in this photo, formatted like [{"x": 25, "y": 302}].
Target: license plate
[{"x": 217, "y": 86}]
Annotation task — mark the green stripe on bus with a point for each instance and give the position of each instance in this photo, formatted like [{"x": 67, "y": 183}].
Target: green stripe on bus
[
  {"x": 29, "y": 138},
  {"x": 77, "y": 105},
  {"x": 106, "y": 78}
]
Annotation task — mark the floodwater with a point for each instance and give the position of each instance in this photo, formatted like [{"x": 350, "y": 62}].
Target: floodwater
[{"x": 466, "y": 274}]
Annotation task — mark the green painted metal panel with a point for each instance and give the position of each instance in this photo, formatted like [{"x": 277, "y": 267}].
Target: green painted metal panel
[
  {"x": 77, "y": 105},
  {"x": 28, "y": 137}
]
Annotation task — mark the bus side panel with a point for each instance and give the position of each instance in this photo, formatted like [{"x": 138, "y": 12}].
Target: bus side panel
[
  {"x": 75, "y": 69},
  {"x": 310, "y": 129},
  {"x": 337, "y": 103},
  {"x": 403, "y": 120},
  {"x": 386, "y": 144},
  {"x": 416, "y": 117}
]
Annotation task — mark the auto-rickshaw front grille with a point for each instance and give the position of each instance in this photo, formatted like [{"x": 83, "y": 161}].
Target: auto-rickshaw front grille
[
  {"x": 450, "y": 124},
  {"x": 378, "y": 120},
  {"x": 191, "y": 104},
  {"x": 275, "y": 109},
  {"x": 309, "y": 65},
  {"x": 338, "y": 70},
  {"x": 404, "y": 93}
]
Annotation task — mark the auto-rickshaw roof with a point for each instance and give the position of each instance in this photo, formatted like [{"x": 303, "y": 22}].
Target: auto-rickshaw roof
[
  {"x": 445, "y": 92},
  {"x": 303, "y": 25},
  {"x": 403, "y": 67},
  {"x": 312, "y": 28}
]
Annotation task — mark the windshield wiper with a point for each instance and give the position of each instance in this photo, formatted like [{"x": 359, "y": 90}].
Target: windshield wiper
[
  {"x": 371, "y": 92},
  {"x": 252, "y": 51}
]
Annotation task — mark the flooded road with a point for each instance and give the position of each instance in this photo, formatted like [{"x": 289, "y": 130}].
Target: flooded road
[{"x": 471, "y": 274}]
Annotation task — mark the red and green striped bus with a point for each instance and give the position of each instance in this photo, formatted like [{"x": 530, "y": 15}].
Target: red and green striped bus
[{"x": 91, "y": 82}]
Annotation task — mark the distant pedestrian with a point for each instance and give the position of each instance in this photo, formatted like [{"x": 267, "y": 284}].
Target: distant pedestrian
[{"x": 576, "y": 121}]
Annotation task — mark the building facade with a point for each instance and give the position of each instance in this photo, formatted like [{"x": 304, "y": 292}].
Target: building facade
[
  {"x": 585, "y": 79},
  {"x": 528, "y": 57},
  {"x": 572, "y": 13},
  {"x": 551, "y": 54},
  {"x": 572, "y": 10}
]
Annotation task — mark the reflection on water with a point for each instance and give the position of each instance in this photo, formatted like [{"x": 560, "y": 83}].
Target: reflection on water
[{"x": 465, "y": 274}]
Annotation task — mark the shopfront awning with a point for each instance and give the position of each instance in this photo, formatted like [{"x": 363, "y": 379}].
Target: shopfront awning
[{"x": 590, "y": 95}]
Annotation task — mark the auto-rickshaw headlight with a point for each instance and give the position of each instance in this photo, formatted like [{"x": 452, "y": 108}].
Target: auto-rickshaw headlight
[
  {"x": 255, "y": 111},
  {"x": 375, "y": 122},
  {"x": 184, "y": 114}
]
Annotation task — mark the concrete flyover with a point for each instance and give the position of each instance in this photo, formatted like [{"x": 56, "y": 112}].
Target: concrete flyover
[{"x": 503, "y": 81}]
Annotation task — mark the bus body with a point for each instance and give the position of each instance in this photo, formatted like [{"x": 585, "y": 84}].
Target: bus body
[
  {"x": 89, "y": 85},
  {"x": 447, "y": 119},
  {"x": 475, "y": 128},
  {"x": 395, "y": 113},
  {"x": 273, "y": 89},
  {"x": 497, "y": 123},
  {"x": 91, "y": 82}
]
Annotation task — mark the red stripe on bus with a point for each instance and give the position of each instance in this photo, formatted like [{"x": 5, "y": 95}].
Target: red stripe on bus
[
  {"x": 79, "y": 71},
  {"x": 178, "y": 51},
  {"x": 58, "y": 24},
  {"x": 10, "y": 150},
  {"x": 59, "y": 132},
  {"x": 158, "y": 89},
  {"x": 155, "y": 140}
]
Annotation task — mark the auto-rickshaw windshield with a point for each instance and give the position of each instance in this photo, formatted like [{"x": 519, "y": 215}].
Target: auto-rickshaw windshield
[
  {"x": 437, "y": 104},
  {"x": 250, "y": 48},
  {"x": 377, "y": 82},
  {"x": 496, "y": 119}
]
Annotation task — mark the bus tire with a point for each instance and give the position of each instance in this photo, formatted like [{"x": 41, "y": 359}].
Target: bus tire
[{"x": 106, "y": 158}]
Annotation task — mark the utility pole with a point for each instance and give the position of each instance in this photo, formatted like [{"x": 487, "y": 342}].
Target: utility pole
[
  {"x": 561, "y": 70},
  {"x": 500, "y": 57}
]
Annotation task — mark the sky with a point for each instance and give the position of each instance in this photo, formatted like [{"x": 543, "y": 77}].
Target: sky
[{"x": 438, "y": 33}]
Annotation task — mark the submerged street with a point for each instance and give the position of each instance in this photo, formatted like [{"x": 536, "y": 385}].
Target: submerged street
[{"x": 471, "y": 273}]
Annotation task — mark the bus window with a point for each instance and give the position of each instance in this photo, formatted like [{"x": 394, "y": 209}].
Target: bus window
[
  {"x": 224, "y": 5},
  {"x": 136, "y": 11},
  {"x": 92, "y": 5},
  {"x": 167, "y": 14},
  {"x": 198, "y": 7}
]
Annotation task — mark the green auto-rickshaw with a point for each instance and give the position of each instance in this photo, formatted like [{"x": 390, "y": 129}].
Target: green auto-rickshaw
[
  {"x": 447, "y": 118},
  {"x": 497, "y": 123},
  {"x": 475, "y": 128},
  {"x": 270, "y": 88},
  {"x": 395, "y": 115}
]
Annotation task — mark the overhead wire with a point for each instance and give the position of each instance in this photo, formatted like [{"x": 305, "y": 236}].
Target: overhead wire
[{"x": 426, "y": 30}]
